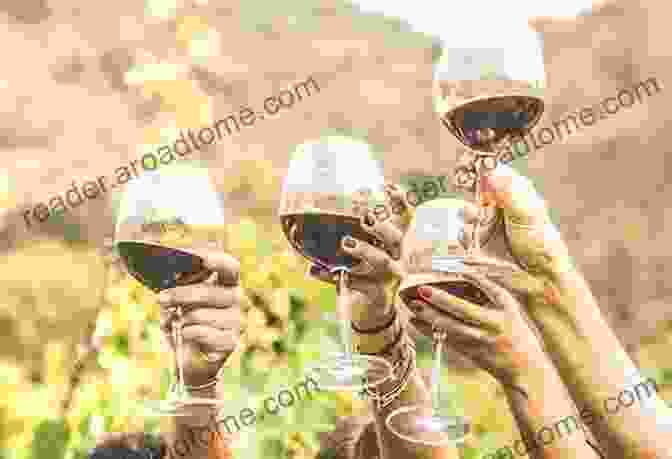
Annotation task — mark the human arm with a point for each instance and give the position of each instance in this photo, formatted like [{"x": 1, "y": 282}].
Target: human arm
[
  {"x": 497, "y": 339},
  {"x": 211, "y": 331},
  {"x": 212, "y": 327},
  {"x": 591, "y": 361},
  {"x": 379, "y": 329}
]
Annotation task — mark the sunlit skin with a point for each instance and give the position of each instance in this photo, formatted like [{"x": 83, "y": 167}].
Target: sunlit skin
[
  {"x": 560, "y": 303},
  {"x": 214, "y": 315},
  {"x": 372, "y": 300},
  {"x": 497, "y": 339}
]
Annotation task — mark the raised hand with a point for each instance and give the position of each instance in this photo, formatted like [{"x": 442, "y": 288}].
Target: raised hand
[
  {"x": 496, "y": 337},
  {"x": 374, "y": 282},
  {"x": 212, "y": 319}
]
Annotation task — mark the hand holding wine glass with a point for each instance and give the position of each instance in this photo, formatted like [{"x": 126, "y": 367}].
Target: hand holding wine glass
[
  {"x": 533, "y": 240},
  {"x": 162, "y": 215},
  {"x": 374, "y": 283},
  {"x": 495, "y": 336},
  {"x": 212, "y": 321},
  {"x": 332, "y": 195}
]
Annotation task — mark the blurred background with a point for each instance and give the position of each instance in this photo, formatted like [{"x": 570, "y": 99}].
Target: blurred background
[{"x": 88, "y": 86}]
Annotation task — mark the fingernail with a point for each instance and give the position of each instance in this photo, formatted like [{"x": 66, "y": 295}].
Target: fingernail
[
  {"x": 349, "y": 242},
  {"x": 316, "y": 270},
  {"x": 487, "y": 191},
  {"x": 425, "y": 292},
  {"x": 488, "y": 183},
  {"x": 369, "y": 220}
]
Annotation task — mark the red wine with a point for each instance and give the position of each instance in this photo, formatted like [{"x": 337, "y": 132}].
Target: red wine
[
  {"x": 318, "y": 237},
  {"x": 514, "y": 119},
  {"x": 508, "y": 116},
  {"x": 461, "y": 289},
  {"x": 160, "y": 268}
]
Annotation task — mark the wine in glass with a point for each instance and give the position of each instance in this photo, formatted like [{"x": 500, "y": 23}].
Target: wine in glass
[
  {"x": 434, "y": 258},
  {"x": 330, "y": 186},
  {"x": 435, "y": 255},
  {"x": 489, "y": 98},
  {"x": 161, "y": 215}
]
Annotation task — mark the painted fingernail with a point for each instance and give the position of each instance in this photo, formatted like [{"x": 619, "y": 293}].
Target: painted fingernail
[
  {"x": 316, "y": 270},
  {"x": 349, "y": 242},
  {"x": 425, "y": 292}
]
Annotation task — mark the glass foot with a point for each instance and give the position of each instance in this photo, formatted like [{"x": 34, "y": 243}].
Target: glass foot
[
  {"x": 184, "y": 406},
  {"x": 339, "y": 372},
  {"x": 418, "y": 424}
]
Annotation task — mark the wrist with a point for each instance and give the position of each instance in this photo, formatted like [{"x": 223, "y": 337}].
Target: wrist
[
  {"x": 372, "y": 318},
  {"x": 381, "y": 340},
  {"x": 203, "y": 415},
  {"x": 208, "y": 392}
]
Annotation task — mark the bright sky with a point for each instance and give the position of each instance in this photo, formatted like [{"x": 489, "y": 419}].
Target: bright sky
[{"x": 483, "y": 24}]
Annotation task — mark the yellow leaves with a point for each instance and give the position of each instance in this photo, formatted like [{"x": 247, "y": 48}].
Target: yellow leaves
[
  {"x": 103, "y": 390},
  {"x": 118, "y": 294},
  {"x": 21, "y": 439},
  {"x": 53, "y": 273},
  {"x": 263, "y": 360},
  {"x": 266, "y": 336},
  {"x": 345, "y": 404},
  {"x": 120, "y": 320},
  {"x": 119, "y": 424},
  {"x": 55, "y": 371},
  {"x": 296, "y": 443},
  {"x": 256, "y": 319},
  {"x": 280, "y": 303}
]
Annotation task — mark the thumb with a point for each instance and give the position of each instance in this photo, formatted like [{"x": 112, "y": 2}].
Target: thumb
[{"x": 515, "y": 195}]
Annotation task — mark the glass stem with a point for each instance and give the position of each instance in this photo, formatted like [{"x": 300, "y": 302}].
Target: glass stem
[
  {"x": 177, "y": 338},
  {"x": 438, "y": 337},
  {"x": 344, "y": 313},
  {"x": 475, "y": 239}
]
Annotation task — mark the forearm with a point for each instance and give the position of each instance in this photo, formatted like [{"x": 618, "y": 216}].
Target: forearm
[
  {"x": 545, "y": 415},
  {"x": 597, "y": 370},
  {"x": 410, "y": 389}
]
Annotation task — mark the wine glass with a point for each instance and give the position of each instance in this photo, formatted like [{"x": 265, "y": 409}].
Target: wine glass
[
  {"x": 434, "y": 257},
  {"x": 435, "y": 254},
  {"x": 330, "y": 186},
  {"x": 489, "y": 98},
  {"x": 161, "y": 215}
]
